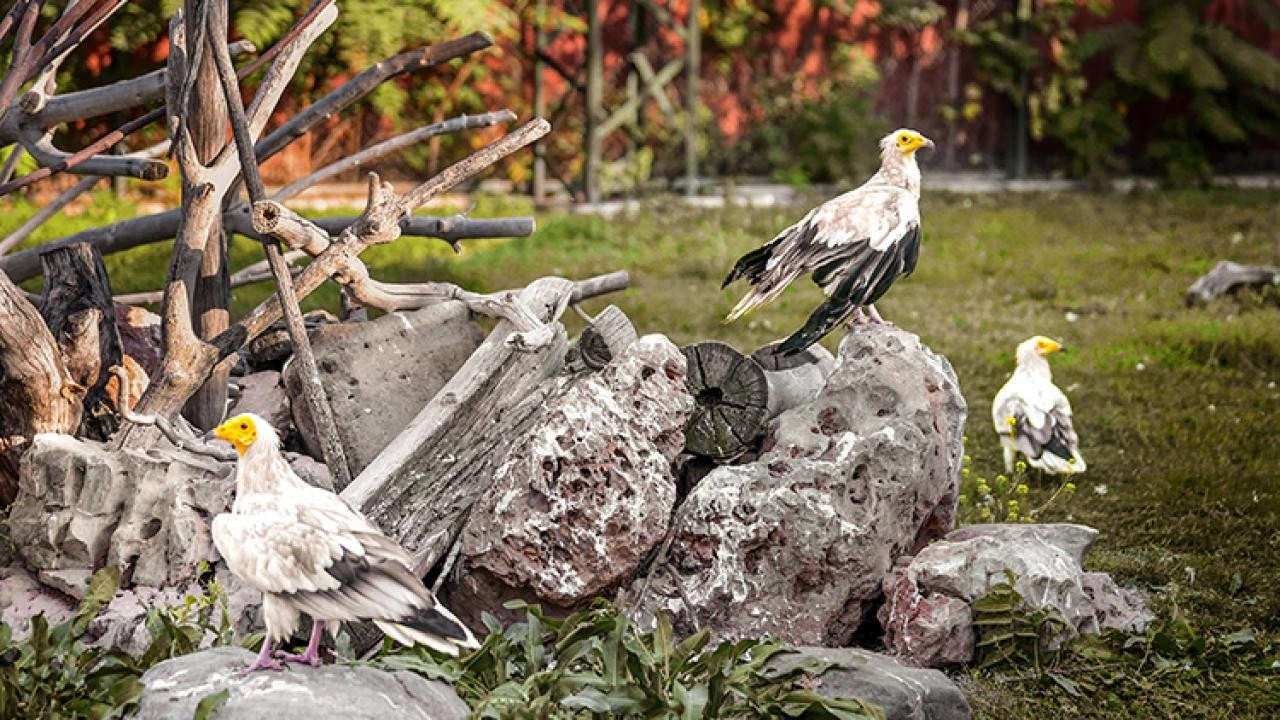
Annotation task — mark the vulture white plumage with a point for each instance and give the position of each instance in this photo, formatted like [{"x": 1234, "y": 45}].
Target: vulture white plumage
[
  {"x": 1033, "y": 417},
  {"x": 309, "y": 552},
  {"x": 856, "y": 245}
]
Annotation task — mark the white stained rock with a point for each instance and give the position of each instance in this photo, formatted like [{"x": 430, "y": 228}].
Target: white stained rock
[
  {"x": 586, "y": 492},
  {"x": 795, "y": 544},
  {"x": 954, "y": 572}
]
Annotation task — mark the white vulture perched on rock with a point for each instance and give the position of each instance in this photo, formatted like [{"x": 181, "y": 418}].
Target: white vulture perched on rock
[
  {"x": 309, "y": 552},
  {"x": 1033, "y": 417},
  {"x": 856, "y": 245}
]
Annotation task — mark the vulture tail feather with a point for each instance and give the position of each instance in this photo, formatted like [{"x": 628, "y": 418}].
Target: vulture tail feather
[
  {"x": 435, "y": 627},
  {"x": 827, "y": 316}
]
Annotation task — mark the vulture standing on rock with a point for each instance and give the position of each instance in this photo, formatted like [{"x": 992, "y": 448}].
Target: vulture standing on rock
[
  {"x": 1033, "y": 417},
  {"x": 308, "y": 551},
  {"x": 856, "y": 245}
]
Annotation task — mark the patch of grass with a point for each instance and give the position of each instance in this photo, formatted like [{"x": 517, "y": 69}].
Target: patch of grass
[{"x": 1177, "y": 408}]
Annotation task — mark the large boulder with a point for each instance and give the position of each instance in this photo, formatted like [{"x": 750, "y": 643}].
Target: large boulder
[
  {"x": 379, "y": 374},
  {"x": 905, "y": 693},
  {"x": 866, "y": 472},
  {"x": 334, "y": 692},
  {"x": 926, "y": 615},
  {"x": 587, "y": 490}
]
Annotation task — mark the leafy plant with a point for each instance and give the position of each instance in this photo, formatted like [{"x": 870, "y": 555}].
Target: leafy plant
[
  {"x": 1005, "y": 499},
  {"x": 1012, "y": 634},
  {"x": 1050, "y": 85},
  {"x": 597, "y": 664},
  {"x": 1227, "y": 86},
  {"x": 57, "y": 673}
]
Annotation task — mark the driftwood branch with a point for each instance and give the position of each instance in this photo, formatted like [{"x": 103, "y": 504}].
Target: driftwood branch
[
  {"x": 376, "y": 152},
  {"x": 378, "y": 224},
  {"x": 364, "y": 83},
  {"x": 42, "y": 149},
  {"x": 177, "y": 433},
  {"x": 1226, "y": 276}
]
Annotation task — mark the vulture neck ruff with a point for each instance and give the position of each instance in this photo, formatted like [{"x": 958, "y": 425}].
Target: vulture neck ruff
[
  {"x": 262, "y": 468},
  {"x": 898, "y": 169},
  {"x": 1032, "y": 364}
]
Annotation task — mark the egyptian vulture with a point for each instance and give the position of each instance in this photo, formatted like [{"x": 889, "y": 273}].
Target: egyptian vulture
[
  {"x": 1033, "y": 417},
  {"x": 856, "y": 245},
  {"x": 309, "y": 552}
]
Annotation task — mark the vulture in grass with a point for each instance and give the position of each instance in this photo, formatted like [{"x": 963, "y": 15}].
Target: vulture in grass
[
  {"x": 1033, "y": 417},
  {"x": 856, "y": 245},
  {"x": 309, "y": 552}
]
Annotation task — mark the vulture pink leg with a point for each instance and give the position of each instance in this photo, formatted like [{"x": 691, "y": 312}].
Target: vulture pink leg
[
  {"x": 311, "y": 655},
  {"x": 263, "y": 661}
]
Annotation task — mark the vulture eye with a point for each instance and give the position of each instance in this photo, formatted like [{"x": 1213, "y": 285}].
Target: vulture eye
[{"x": 244, "y": 426}]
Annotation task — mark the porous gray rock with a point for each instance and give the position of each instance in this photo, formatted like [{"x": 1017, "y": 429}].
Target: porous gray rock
[
  {"x": 905, "y": 693},
  {"x": 81, "y": 506},
  {"x": 921, "y": 618},
  {"x": 586, "y": 491},
  {"x": 379, "y": 374},
  {"x": 174, "y": 687},
  {"x": 795, "y": 544}
]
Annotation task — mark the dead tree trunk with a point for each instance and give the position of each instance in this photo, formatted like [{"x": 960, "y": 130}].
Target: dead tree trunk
[
  {"x": 81, "y": 315},
  {"x": 420, "y": 488},
  {"x": 36, "y": 391}
]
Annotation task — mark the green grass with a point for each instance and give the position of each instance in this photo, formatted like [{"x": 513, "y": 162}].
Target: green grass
[{"x": 1177, "y": 408}]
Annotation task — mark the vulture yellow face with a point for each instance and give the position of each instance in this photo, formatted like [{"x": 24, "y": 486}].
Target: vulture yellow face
[
  {"x": 240, "y": 431},
  {"x": 909, "y": 141},
  {"x": 1045, "y": 346}
]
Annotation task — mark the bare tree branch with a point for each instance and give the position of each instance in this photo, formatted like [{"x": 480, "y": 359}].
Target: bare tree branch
[
  {"x": 177, "y": 433},
  {"x": 243, "y": 131},
  {"x": 376, "y": 152},
  {"x": 364, "y": 83}
]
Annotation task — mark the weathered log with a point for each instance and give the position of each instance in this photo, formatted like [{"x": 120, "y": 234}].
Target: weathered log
[
  {"x": 80, "y": 313},
  {"x": 419, "y": 489},
  {"x": 608, "y": 335},
  {"x": 732, "y": 396},
  {"x": 37, "y": 393},
  {"x": 793, "y": 379},
  {"x": 1227, "y": 276}
]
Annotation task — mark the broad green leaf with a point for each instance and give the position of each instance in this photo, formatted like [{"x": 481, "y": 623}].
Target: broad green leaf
[{"x": 210, "y": 704}]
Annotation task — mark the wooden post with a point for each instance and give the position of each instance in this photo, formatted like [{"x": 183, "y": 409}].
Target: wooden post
[
  {"x": 595, "y": 103},
  {"x": 731, "y": 395},
  {"x": 694, "y": 66},
  {"x": 207, "y": 120},
  {"x": 539, "y": 106},
  {"x": 81, "y": 315}
]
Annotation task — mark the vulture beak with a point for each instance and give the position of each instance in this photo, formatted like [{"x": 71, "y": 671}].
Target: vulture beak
[{"x": 927, "y": 143}]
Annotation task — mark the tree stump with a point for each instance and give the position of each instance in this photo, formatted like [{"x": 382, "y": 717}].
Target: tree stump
[
  {"x": 81, "y": 315},
  {"x": 731, "y": 394},
  {"x": 37, "y": 393}
]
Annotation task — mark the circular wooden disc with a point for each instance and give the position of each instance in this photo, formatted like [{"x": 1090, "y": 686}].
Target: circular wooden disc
[{"x": 731, "y": 395}]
